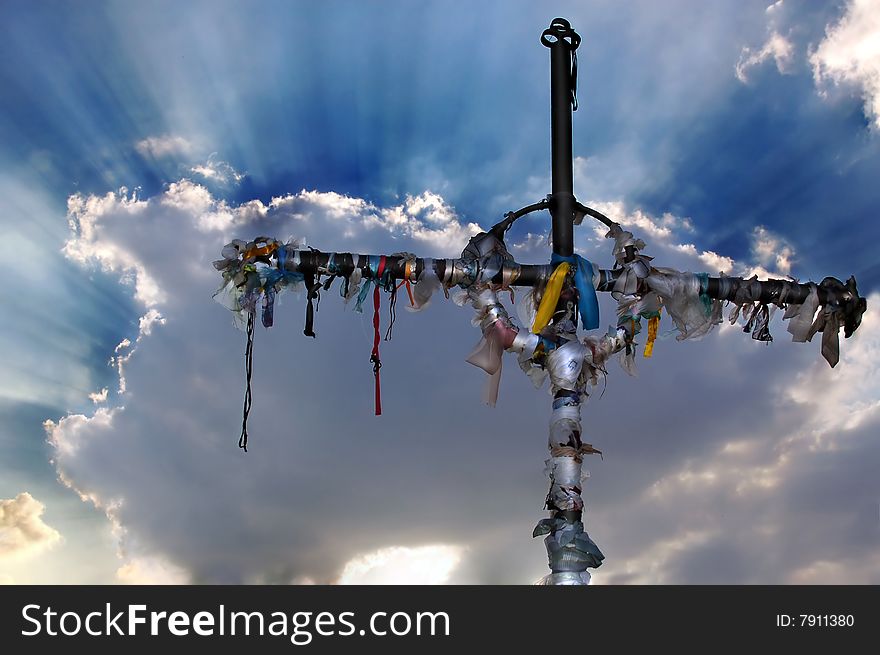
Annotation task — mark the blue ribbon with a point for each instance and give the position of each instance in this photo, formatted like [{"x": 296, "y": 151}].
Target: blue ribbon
[
  {"x": 704, "y": 297},
  {"x": 588, "y": 302},
  {"x": 362, "y": 295},
  {"x": 281, "y": 273},
  {"x": 374, "y": 265}
]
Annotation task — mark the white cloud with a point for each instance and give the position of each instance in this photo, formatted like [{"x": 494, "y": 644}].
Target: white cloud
[
  {"x": 120, "y": 358},
  {"x": 530, "y": 244},
  {"x": 218, "y": 171},
  {"x": 99, "y": 397},
  {"x": 844, "y": 400},
  {"x": 716, "y": 263},
  {"x": 67, "y": 435},
  {"x": 769, "y": 249},
  {"x": 654, "y": 569},
  {"x": 190, "y": 197},
  {"x": 147, "y": 321},
  {"x": 170, "y": 455},
  {"x": 22, "y": 530},
  {"x": 850, "y": 54},
  {"x": 426, "y": 218},
  {"x": 432, "y": 207},
  {"x": 841, "y": 571},
  {"x": 167, "y": 145},
  {"x": 777, "y": 47},
  {"x": 423, "y": 565},
  {"x": 429, "y": 219},
  {"x": 732, "y": 492},
  {"x": 88, "y": 242},
  {"x": 666, "y": 236},
  {"x": 151, "y": 571},
  {"x": 165, "y": 245},
  {"x": 661, "y": 227},
  {"x": 712, "y": 261}
]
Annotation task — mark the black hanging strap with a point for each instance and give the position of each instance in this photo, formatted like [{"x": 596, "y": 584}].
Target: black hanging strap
[
  {"x": 248, "y": 367},
  {"x": 311, "y": 291},
  {"x": 392, "y": 312}
]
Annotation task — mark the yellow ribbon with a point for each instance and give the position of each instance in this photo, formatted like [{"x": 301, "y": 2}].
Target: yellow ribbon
[
  {"x": 551, "y": 298},
  {"x": 653, "y": 324}
]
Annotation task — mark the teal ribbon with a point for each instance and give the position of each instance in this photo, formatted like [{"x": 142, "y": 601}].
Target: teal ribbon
[
  {"x": 362, "y": 295},
  {"x": 704, "y": 287},
  {"x": 588, "y": 302}
]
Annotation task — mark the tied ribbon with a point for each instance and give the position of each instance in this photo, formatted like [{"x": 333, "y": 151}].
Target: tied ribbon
[
  {"x": 311, "y": 293},
  {"x": 407, "y": 274},
  {"x": 374, "y": 356},
  {"x": 248, "y": 367},
  {"x": 588, "y": 302},
  {"x": 653, "y": 324},
  {"x": 259, "y": 251},
  {"x": 412, "y": 301},
  {"x": 550, "y": 298}
]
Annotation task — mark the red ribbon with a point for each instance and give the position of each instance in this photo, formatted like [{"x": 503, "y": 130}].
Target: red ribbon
[
  {"x": 374, "y": 357},
  {"x": 412, "y": 301}
]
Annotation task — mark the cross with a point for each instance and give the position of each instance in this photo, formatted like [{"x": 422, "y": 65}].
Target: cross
[{"x": 562, "y": 294}]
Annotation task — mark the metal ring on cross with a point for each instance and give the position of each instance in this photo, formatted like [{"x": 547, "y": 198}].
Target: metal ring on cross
[{"x": 560, "y": 31}]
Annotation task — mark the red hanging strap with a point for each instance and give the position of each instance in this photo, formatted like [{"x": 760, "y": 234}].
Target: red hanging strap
[
  {"x": 374, "y": 356},
  {"x": 412, "y": 301},
  {"x": 408, "y": 271}
]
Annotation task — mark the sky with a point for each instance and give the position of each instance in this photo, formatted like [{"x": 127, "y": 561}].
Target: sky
[{"x": 139, "y": 138}]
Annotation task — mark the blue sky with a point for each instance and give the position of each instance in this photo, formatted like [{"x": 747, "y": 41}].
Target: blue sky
[{"x": 728, "y": 135}]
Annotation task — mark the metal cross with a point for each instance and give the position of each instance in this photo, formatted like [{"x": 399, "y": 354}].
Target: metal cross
[{"x": 562, "y": 293}]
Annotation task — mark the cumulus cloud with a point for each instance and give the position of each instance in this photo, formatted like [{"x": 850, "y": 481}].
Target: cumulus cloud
[
  {"x": 401, "y": 565},
  {"x": 531, "y": 244},
  {"x": 843, "y": 401},
  {"x": 656, "y": 227},
  {"x": 426, "y": 218},
  {"x": 769, "y": 249},
  {"x": 166, "y": 145},
  {"x": 850, "y": 54},
  {"x": 151, "y": 571},
  {"x": 325, "y": 482},
  {"x": 22, "y": 530},
  {"x": 711, "y": 261},
  {"x": 670, "y": 234},
  {"x": 67, "y": 439},
  {"x": 148, "y": 320},
  {"x": 89, "y": 243},
  {"x": 777, "y": 47},
  {"x": 218, "y": 171},
  {"x": 755, "y": 494},
  {"x": 99, "y": 397},
  {"x": 182, "y": 280}
]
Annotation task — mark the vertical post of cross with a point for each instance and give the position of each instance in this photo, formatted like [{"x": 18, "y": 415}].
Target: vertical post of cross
[
  {"x": 569, "y": 549},
  {"x": 563, "y": 42}
]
